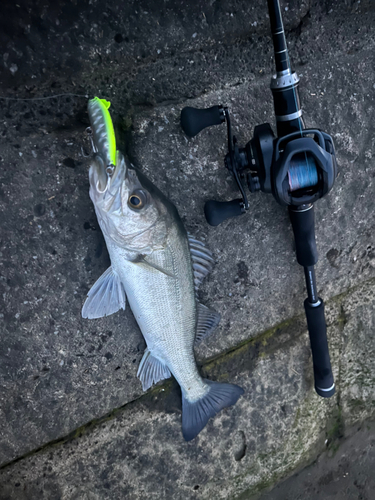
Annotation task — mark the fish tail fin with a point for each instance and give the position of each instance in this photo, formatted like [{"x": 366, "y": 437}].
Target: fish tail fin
[{"x": 196, "y": 415}]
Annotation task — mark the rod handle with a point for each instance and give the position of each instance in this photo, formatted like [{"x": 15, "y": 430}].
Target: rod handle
[
  {"x": 194, "y": 120},
  {"x": 303, "y": 223},
  {"x": 324, "y": 383}
]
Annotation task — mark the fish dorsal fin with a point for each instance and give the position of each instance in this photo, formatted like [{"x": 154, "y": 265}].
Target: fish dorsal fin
[
  {"x": 151, "y": 370},
  {"x": 106, "y": 296},
  {"x": 206, "y": 323},
  {"x": 202, "y": 260}
]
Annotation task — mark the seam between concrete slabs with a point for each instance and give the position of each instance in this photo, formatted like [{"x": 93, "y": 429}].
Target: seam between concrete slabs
[{"x": 206, "y": 367}]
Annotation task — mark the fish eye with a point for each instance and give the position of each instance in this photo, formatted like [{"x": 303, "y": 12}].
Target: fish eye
[{"x": 137, "y": 199}]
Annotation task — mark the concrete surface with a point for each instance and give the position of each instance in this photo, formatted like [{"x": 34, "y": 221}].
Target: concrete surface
[
  {"x": 59, "y": 372},
  {"x": 279, "y": 424},
  {"x": 347, "y": 474},
  {"x": 344, "y": 475}
]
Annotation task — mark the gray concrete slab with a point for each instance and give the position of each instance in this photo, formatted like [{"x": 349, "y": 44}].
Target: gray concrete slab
[
  {"x": 59, "y": 372},
  {"x": 72, "y": 47},
  {"x": 53, "y": 251},
  {"x": 130, "y": 47},
  {"x": 346, "y": 475},
  {"x": 279, "y": 424}
]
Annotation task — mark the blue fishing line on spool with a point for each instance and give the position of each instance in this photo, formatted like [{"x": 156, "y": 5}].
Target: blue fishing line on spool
[{"x": 302, "y": 172}]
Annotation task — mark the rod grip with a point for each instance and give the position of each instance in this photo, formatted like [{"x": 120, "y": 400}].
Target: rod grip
[
  {"x": 194, "y": 120},
  {"x": 324, "y": 384},
  {"x": 303, "y": 223}
]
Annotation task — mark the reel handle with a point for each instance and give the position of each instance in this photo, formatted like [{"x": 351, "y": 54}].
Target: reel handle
[
  {"x": 324, "y": 384},
  {"x": 194, "y": 120},
  {"x": 217, "y": 212}
]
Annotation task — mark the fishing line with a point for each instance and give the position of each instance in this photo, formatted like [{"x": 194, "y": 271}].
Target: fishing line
[
  {"x": 300, "y": 177},
  {"x": 43, "y": 98}
]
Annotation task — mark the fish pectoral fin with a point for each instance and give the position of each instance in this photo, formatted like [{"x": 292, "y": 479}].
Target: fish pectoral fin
[
  {"x": 207, "y": 322},
  {"x": 142, "y": 261},
  {"x": 106, "y": 296},
  {"x": 151, "y": 370}
]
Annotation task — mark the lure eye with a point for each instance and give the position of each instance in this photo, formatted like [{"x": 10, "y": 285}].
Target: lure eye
[{"x": 137, "y": 199}]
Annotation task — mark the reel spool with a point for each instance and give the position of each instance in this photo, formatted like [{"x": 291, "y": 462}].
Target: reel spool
[{"x": 302, "y": 172}]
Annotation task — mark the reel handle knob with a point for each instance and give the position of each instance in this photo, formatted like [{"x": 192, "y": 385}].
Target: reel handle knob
[
  {"x": 217, "y": 212},
  {"x": 194, "y": 120}
]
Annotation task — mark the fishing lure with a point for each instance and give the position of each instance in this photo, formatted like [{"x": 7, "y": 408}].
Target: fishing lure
[{"x": 104, "y": 139}]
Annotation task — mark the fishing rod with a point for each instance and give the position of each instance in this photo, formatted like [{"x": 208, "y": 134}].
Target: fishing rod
[{"x": 298, "y": 167}]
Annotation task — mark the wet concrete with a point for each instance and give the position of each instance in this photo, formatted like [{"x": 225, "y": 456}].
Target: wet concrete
[
  {"x": 278, "y": 425},
  {"x": 59, "y": 372},
  {"x": 343, "y": 474}
]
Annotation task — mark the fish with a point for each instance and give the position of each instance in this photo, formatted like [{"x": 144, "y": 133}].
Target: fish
[{"x": 157, "y": 267}]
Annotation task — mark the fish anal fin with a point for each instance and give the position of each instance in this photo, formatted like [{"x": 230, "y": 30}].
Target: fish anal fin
[
  {"x": 206, "y": 323},
  {"x": 151, "y": 370},
  {"x": 106, "y": 296}
]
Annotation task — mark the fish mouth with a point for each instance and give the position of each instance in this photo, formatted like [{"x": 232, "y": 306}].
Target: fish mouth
[{"x": 106, "y": 179}]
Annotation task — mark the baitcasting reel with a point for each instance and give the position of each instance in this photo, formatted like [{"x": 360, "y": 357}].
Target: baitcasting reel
[{"x": 297, "y": 167}]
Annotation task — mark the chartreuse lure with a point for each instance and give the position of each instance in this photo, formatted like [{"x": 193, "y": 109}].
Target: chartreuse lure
[{"x": 102, "y": 130}]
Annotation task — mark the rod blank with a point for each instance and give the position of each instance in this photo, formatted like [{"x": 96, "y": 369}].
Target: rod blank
[{"x": 278, "y": 36}]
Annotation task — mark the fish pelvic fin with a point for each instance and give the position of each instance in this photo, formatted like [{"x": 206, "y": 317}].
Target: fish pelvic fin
[
  {"x": 196, "y": 415},
  {"x": 106, "y": 296},
  {"x": 151, "y": 370},
  {"x": 206, "y": 323}
]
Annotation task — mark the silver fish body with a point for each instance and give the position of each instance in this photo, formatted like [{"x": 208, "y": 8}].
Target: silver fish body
[
  {"x": 157, "y": 265},
  {"x": 164, "y": 306}
]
